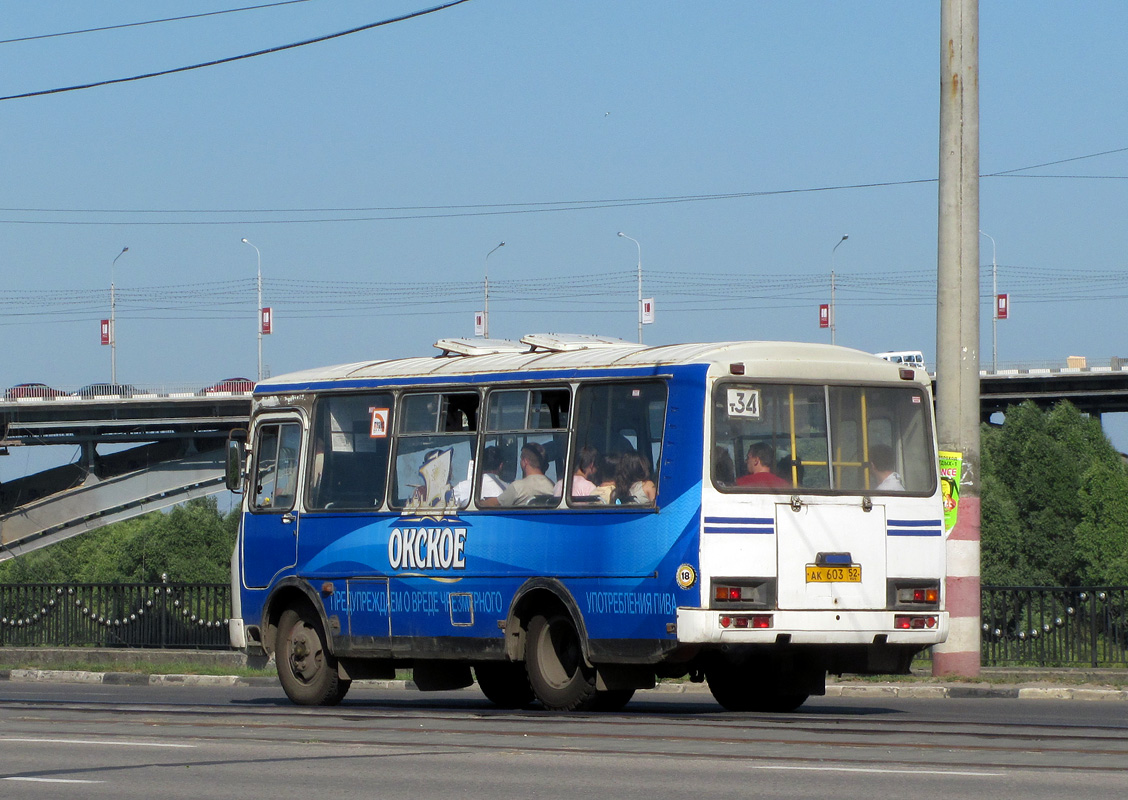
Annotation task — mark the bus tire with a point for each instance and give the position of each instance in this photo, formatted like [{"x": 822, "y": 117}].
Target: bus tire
[
  {"x": 505, "y": 683},
  {"x": 306, "y": 668},
  {"x": 742, "y": 690},
  {"x": 555, "y": 664}
]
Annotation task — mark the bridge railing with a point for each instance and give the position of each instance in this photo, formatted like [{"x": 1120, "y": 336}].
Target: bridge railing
[
  {"x": 1050, "y": 626},
  {"x": 1021, "y": 626},
  {"x": 171, "y": 615}
]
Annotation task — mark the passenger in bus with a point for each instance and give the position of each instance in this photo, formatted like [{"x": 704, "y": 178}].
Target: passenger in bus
[
  {"x": 760, "y": 463},
  {"x": 789, "y": 468},
  {"x": 534, "y": 483},
  {"x": 493, "y": 484},
  {"x": 583, "y": 479},
  {"x": 632, "y": 481},
  {"x": 882, "y": 464},
  {"x": 724, "y": 471},
  {"x": 604, "y": 490}
]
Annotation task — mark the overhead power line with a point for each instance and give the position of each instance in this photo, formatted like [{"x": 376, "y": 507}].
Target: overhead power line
[
  {"x": 230, "y": 59},
  {"x": 148, "y": 22}
]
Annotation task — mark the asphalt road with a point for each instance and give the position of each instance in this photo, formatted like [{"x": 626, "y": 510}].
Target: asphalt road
[{"x": 126, "y": 742}]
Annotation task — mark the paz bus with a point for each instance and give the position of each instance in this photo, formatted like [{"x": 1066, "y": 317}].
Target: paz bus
[{"x": 754, "y": 515}]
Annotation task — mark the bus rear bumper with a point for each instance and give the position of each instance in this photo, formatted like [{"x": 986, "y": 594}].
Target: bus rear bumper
[{"x": 708, "y": 626}]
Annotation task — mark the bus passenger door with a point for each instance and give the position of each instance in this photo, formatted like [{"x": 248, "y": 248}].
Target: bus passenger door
[
  {"x": 831, "y": 556},
  {"x": 270, "y": 528}
]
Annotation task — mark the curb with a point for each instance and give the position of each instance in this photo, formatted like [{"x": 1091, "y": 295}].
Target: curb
[{"x": 844, "y": 690}]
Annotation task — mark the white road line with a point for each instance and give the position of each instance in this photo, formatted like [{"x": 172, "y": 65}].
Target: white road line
[
  {"x": 880, "y": 770},
  {"x": 91, "y": 741},
  {"x": 51, "y": 780}
]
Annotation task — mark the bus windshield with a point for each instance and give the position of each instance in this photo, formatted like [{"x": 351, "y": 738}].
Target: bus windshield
[{"x": 822, "y": 438}]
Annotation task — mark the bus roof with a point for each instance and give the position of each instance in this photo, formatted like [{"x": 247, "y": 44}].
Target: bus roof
[{"x": 551, "y": 352}]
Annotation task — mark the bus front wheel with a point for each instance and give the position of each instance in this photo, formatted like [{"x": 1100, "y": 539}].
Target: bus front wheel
[
  {"x": 554, "y": 660},
  {"x": 306, "y": 668}
]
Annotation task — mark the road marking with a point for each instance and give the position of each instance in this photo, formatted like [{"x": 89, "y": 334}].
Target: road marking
[
  {"x": 91, "y": 741},
  {"x": 881, "y": 770},
  {"x": 51, "y": 780}
]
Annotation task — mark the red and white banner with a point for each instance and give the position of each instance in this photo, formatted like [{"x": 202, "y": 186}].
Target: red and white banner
[
  {"x": 267, "y": 321},
  {"x": 105, "y": 331},
  {"x": 648, "y": 311},
  {"x": 824, "y": 315},
  {"x": 1002, "y": 306}
]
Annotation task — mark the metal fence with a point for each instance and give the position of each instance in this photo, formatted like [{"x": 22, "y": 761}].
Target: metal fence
[
  {"x": 115, "y": 615},
  {"x": 1054, "y": 627},
  {"x": 1022, "y": 626}
]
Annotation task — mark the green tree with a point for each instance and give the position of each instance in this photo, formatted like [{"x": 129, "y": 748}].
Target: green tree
[
  {"x": 191, "y": 543},
  {"x": 1102, "y": 536},
  {"x": 1053, "y": 486}
]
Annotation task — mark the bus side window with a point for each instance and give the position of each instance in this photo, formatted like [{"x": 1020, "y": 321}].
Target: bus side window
[
  {"x": 620, "y": 420},
  {"x": 349, "y": 459},
  {"x": 434, "y": 450},
  {"x": 516, "y": 419}
]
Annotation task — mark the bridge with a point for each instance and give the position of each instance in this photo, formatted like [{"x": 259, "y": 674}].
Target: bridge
[
  {"x": 173, "y": 446},
  {"x": 167, "y": 448}
]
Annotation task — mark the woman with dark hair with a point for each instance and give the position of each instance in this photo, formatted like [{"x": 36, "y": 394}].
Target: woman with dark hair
[
  {"x": 584, "y": 476},
  {"x": 605, "y": 478},
  {"x": 632, "y": 480}
]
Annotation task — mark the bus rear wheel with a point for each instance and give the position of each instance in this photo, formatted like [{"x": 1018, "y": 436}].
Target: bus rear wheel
[
  {"x": 744, "y": 690},
  {"x": 504, "y": 683},
  {"x": 306, "y": 668},
  {"x": 554, "y": 660}
]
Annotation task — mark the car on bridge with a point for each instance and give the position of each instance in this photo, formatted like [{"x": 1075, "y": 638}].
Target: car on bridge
[
  {"x": 231, "y": 385},
  {"x": 92, "y": 390},
  {"x": 25, "y": 390}
]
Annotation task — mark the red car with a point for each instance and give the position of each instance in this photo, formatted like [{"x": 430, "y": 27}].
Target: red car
[
  {"x": 232, "y": 385},
  {"x": 32, "y": 390}
]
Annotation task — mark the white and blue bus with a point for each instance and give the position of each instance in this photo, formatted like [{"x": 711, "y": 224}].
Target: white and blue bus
[{"x": 569, "y": 518}]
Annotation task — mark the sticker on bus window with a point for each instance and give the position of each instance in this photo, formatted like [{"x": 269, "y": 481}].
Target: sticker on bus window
[
  {"x": 744, "y": 403},
  {"x": 379, "y": 423}
]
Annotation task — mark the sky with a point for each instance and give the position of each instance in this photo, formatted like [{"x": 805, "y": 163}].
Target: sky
[{"x": 737, "y": 143}]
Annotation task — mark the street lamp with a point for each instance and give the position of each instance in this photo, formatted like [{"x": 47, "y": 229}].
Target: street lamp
[
  {"x": 995, "y": 307},
  {"x": 113, "y": 319},
  {"x": 486, "y": 312},
  {"x": 639, "y": 246},
  {"x": 259, "y": 282},
  {"x": 845, "y": 236}
]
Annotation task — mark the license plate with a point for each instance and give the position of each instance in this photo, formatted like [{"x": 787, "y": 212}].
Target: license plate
[{"x": 833, "y": 574}]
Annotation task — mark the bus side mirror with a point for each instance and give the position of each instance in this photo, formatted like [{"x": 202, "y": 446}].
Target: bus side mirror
[{"x": 236, "y": 457}]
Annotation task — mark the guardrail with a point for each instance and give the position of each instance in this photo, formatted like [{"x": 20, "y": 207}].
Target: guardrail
[
  {"x": 1021, "y": 626},
  {"x": 1049, "y": 626},
  {"x": 170, "y": 615}
]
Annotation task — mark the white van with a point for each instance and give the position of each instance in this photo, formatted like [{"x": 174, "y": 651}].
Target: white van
[{"x": 913, "y": 358}]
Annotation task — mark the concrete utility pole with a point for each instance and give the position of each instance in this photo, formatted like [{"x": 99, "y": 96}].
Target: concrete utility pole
[{"x": 957, "y": 322}]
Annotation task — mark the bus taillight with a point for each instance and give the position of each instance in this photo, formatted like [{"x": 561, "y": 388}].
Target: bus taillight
[
  {"x": 746, "y": 621},
  {"x": 907, "y": 622}
]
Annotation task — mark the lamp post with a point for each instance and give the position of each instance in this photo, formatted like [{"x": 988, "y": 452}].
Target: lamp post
[
  {"x": 259, "y": 323},
  {"x": 994, "y": 307},
  {"x": 639, "y": 271},
  {"x": 113, "y": 319},
  {"x": 845, "y": 236},
  {"x": 486, "y": 311}
]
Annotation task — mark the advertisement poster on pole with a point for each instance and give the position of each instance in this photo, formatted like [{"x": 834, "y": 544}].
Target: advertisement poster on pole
[{"x": 951, "y": 467}]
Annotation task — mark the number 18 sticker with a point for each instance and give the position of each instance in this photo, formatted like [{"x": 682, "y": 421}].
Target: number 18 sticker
[{"x": 744, "y": 403}]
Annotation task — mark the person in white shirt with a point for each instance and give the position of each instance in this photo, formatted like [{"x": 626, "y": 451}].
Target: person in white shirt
[
  {"x": 882, "y": 463},
  {"x": 535, "y": 484},
  {"x": 492, "y": 482}
]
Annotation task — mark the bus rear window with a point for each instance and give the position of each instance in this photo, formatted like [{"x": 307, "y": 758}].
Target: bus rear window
[{"x": 798, "y": 437}]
